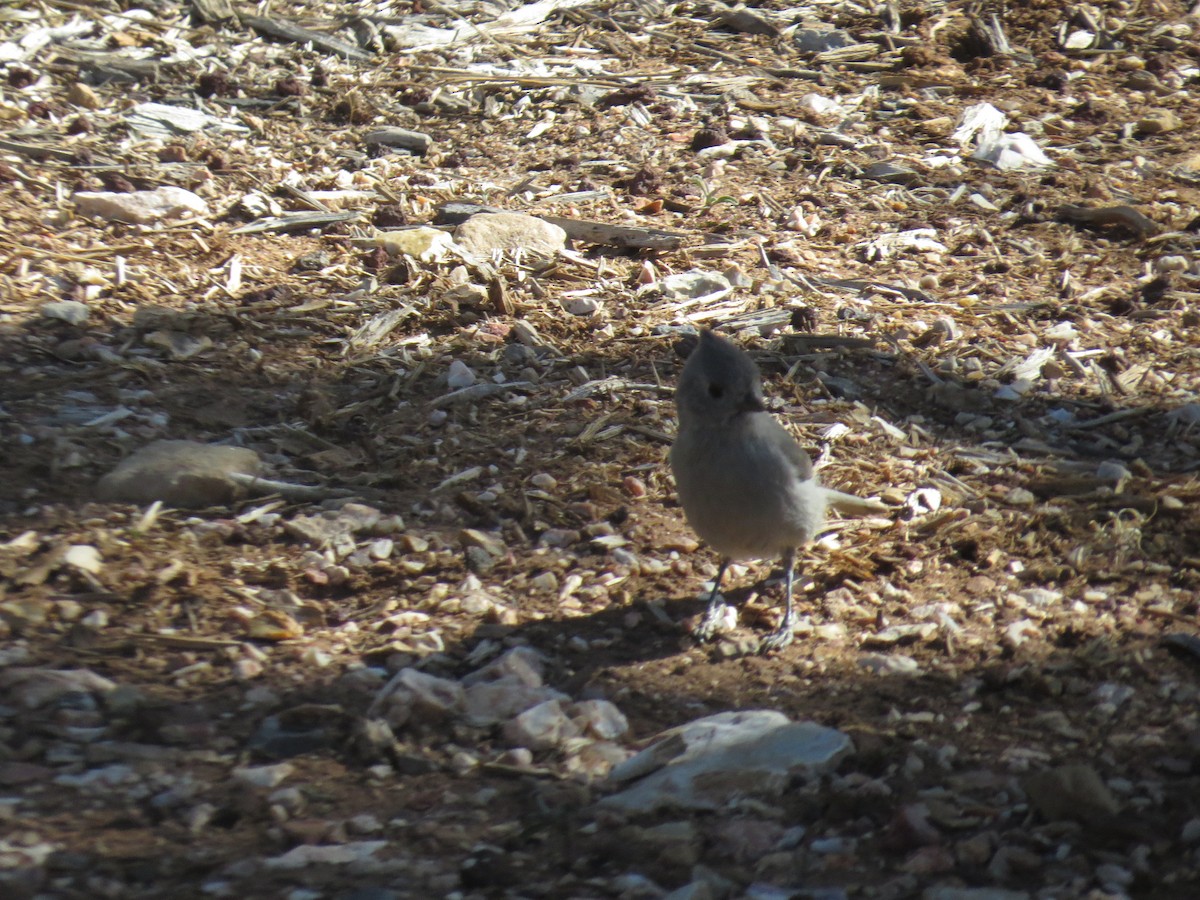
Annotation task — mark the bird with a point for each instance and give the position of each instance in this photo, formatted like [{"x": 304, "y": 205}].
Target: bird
[{"x": 746, "y": 487}]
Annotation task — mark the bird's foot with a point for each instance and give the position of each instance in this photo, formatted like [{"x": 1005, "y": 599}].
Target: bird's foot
[
  {"x": 715, "y": 621},
  {"x": 778, "y": 639}
]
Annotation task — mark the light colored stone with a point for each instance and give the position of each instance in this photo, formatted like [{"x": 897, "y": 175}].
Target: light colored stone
[
  {"x": 490, "y": 543},
  {"x": 183, "y": 474},
  {"x": 73, "y": 312},
  {"x": 263, "y": 776},
  {"x": 541, "y": 727},
  {"x": 1159, "y": 122},
  {"x": 459, "y": 375},
  {"x": 523, "y": 663},
  {"x": 600, "y": 719},
  {"x": 889, "y": 664},
  {"x": 693, "y": 284},
  {"x": 327, "y": 855},
  {"x": 419, "y": 696},
  {"x": 484, "y": 233},
  {"x": 596, "y": 759},
  {"x": 140, "y": 207},
  {"x": 81, "y": 95},
  {"x": 84, "y": 557},
  {"x": 581, "y": 306},
  {"x": 492, "y": 702},
  {"x": 707, "y": 763}
]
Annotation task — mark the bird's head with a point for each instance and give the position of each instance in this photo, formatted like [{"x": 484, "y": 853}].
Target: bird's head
[{"x": 719, "y": 383}]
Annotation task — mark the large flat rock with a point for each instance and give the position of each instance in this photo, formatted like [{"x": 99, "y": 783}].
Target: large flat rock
[
  {"x": 183, "y": 474},
  {"x": 707, "y": 763}
]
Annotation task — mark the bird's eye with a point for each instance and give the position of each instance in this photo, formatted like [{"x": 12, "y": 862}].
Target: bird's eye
[{"x": 716, "y": 391}]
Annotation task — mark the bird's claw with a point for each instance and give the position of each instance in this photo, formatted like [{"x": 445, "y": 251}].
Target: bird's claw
[
  {"x": 778, "y": 639},
  {"x": 712, "y": 622}
]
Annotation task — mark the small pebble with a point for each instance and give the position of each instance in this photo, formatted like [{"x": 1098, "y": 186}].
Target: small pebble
[
  {"x": 581, "y": 306},
  {"x": 459, "y": 376},
  {"x": 381, "y": 549},
  {"x": 245, "y": 669},
  {"x": 545, "y": 582},
  {"x": 544, "y": 481},
  {"x": 263, "y": 776},
  {"x": 1191, "y": 831},
  {"x": 518, "y": 757}
]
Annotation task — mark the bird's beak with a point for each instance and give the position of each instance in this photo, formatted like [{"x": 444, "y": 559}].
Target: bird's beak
[{"x": 751, "y": 403}]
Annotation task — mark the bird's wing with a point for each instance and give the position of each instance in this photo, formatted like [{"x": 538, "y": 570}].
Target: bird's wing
[{"x": 781, "y": 439}]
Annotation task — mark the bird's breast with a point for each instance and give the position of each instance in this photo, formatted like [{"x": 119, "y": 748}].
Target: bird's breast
[{"x": 743, "y": 497}]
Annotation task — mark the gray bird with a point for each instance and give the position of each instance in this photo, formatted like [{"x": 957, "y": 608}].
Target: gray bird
[{"x": 746, "y": 486}]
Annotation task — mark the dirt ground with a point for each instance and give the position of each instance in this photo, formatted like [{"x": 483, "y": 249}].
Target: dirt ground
[{"x": 1040, "y": 516}]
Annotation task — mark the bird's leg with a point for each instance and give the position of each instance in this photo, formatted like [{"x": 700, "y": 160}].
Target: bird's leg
[
  {"x": 713, "y": 615},
  {"x": 782, "y": 636}
]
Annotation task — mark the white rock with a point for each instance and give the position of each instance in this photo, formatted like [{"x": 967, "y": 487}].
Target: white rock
[
  {"x": 520, "y": 757},
  {"x": 541, "y": 727},
  {"x": 982, "y": 120},
  {"x": 381, "y": 548},
  {"x": 1012, "y": 152},
  {"x": 891, "y": 243},
  {"x": 459, "y": 375},
  {"x": 162, "y": 120},
  {"x": 544, "y": 481},
  {"x": 600, "y": 718},
  {"x": 1018, "y": 632},
  {"x": 246, "y": 669},
  {"x": 1020, "y": 496},
  {"x": 581, "y": 306},
  {"x": 1041, "y": 596},
  {"x": 1079, "y": 39},
  {"x": 596, "y": 759},
  {"x": 263, "y": 776},
  {"x": 492, "y": 702},
  {"x": 326, "y": 855},
  {"x": 889, "y": 664},
  {"x": 544, "y": 582},
  {"x": 694, "y": 284},
  {"x": 821, "y": 106},
  {"x": 1063, "y": 331},
  {"x": 1172, "y": 264},
  {"x": 84, "y": 557},
  {"x": 523, "y": 663},
  {"x": 413, "y": 694},
  {"x": 140, "y": 207},
  {"x": 711, "y": 761},
  {"x": 484, "y": 233},
  {"x": 71, "y": 311}
]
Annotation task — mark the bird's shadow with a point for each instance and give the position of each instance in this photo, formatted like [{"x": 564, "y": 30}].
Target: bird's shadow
[{"x": 640, "y": 631}]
